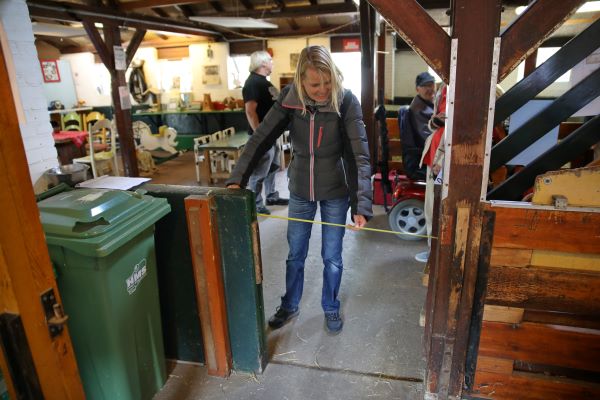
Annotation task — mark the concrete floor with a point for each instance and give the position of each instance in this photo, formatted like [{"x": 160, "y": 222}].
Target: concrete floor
[{"x": 379, "y": 352}]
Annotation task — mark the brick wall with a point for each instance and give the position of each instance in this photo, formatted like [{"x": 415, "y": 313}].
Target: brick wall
[{"x": 35, "y": 127}]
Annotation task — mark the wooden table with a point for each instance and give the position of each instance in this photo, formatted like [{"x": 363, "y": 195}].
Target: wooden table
[
  {"x": 69, "y": 145},
  {"x": 233, "y": 144},
  {"x": 201, "y": 116}
]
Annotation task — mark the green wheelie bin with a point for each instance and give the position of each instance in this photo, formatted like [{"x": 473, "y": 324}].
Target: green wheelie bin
[{"x": 101, "y": 244}]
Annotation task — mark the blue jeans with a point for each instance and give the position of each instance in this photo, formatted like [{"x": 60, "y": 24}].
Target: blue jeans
[{"x": 298, "y": 236}]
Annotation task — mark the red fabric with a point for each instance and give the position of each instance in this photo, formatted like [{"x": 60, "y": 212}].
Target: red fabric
[
  {"x": 77, "y": 137},
  {"x": 438, "y": 134}
]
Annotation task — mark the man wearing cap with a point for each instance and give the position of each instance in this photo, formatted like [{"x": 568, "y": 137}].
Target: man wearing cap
[
  {"x": 414, "y": 128},
  {"x": 421, "y": 108}
]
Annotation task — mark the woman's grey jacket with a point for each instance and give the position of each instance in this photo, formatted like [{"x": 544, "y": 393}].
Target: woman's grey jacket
[{"x": 327, "y": 162}]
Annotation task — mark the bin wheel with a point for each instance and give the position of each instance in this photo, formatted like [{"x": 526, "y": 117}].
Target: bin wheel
[{"x": 408, "y": 216}]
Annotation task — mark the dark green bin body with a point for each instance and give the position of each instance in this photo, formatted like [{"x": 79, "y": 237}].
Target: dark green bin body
[
  {"x": 243, "y": 294},
  {"x": 101, "y": 243},
  {"x": 178, "y": 305}
]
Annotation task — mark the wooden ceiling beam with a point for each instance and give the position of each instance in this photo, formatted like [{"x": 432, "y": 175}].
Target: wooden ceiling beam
[
  {"x": 160, "y": 12},
  {"x": 185, "y": 10},
  {"x": 77, "y": 12},
  {"x": 216, "y": 5},
  {"x": 247, "y": 4},
  {"x": 293, "y": 24},
  {"x": 134, "y": 5},
  {"x": 419, "y": 30},
  {"x": 275, "y": 33},
  {"x": 134, "y": 43},
  {"x": 531, "y": 29}
]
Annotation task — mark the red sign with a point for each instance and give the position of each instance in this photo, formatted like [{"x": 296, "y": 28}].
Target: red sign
[{"x": 351, "y": 44}]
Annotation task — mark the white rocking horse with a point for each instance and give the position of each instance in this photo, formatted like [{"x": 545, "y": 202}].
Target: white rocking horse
[{"x": 165, "y": 139}]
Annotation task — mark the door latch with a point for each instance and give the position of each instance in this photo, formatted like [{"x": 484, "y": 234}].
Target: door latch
[{"x": 55, "y": 316}]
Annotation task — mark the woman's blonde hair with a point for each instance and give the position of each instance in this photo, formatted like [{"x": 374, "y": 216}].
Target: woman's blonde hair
[{"x": 319, "y": 58}]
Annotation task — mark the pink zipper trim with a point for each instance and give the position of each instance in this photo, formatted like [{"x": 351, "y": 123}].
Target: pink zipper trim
[{"x": 320, "y": 137}]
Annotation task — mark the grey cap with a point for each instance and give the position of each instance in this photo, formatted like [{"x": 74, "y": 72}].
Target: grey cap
[{"x": 424, "y": 78}]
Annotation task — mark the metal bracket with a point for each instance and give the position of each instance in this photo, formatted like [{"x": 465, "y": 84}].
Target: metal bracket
[{"x": 55, "y": 316}]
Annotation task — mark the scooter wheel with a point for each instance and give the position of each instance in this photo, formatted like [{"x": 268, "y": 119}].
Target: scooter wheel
[{"x": 407, "y": 218}]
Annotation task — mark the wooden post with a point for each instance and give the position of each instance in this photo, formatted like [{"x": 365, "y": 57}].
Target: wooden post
[
  {"x": 367, "y": 42},
  {"x": 208, "y": 276},
  {"x": 25, "y": 268},
  {"x": 112, "y": 37},
  {"x": 105, "y": 48},
  {"x": 460, "y": 225}
]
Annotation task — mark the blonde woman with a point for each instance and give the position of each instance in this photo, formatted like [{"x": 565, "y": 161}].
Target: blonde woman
[{"x": 329, "y": 169}]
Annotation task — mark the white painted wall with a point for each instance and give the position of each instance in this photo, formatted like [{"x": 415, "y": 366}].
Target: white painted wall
[
  {"x": 408, "y": 66},
  {"x": 282, "y": 48},
  {"x": 199, "y": 59},
  {"x": 87, "y": 77},
  {"x": 22, "y": 58}
]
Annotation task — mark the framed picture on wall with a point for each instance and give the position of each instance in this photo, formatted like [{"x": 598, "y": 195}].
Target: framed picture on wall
[{"x": 50, "y": 70}]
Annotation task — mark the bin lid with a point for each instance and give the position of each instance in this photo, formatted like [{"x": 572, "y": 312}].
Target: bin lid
[{"x": 86, "y": 213}]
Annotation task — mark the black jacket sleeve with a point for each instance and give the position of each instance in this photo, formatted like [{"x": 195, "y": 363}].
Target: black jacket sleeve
[{"x": 263, "y": 138}]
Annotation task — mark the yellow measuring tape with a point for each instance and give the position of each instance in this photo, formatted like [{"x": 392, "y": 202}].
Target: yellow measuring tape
[{"x": 343, "y": 226}]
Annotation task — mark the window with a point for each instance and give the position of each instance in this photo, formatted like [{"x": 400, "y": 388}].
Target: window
[
  {"x": 347, "y": 63},
  {"x": 237, "y": 68},
  {"x": 543, "y": 53},
  {"x": 176, "y": 74}
]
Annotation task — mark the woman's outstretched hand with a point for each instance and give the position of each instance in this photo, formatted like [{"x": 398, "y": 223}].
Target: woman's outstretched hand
[
  {"x": 233, "y": 186},
  {"x": 359, "y": 221}
]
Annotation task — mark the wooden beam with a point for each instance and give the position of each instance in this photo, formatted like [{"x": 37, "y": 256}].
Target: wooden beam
[
  {"x": 216, "y": 5},
  {"x": 472, "y": 58},
  {"x": 293, "y": 24},
  {"x": 112, "y": 36},
  {"x": 134, "y": 43},
  {"x": 566, "y": 58},
  {"x": 544, "y": 121},
  {"x": 575, "y": 144},
  {"x": 532, "y": 386},
  {"x": 542, "y": 344},
  {"x": 96, "y": 39},
  {"x": 522, "y": 228},
  {"x": 160, "y": 12},
  {"x": 186, "y": 10},
  {"x": 380, "y": 63},
  {"x": 60, "y": 11},
  {"x": 208, "y": 278},
  {"x": 419, "y": 30},
  {"x": 134, "y": 5},
  {"x": 545, "y": 289},
  {"x": 367, "y": 43},
  {"x": 25, "y": 255},
  {"x": 479, "y": 295},
  {"x": 527, "y": 32},
  {"x": 247, "y": 4}
]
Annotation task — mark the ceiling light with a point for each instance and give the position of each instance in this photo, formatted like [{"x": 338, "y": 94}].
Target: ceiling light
[
  {"x": 56, "y": 30},
  {"x": 167, "y": 33},
  {"x": 589, "y": 6},
  {"x": 233, "y": 22}
]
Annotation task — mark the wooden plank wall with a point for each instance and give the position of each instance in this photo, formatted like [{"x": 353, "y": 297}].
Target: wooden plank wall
[{"x": 540, "y": 337}]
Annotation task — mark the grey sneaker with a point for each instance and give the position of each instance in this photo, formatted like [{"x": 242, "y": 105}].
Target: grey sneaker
[
  {"x": 422, "y": 257},
  {"x": 333, "y": 322}
]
